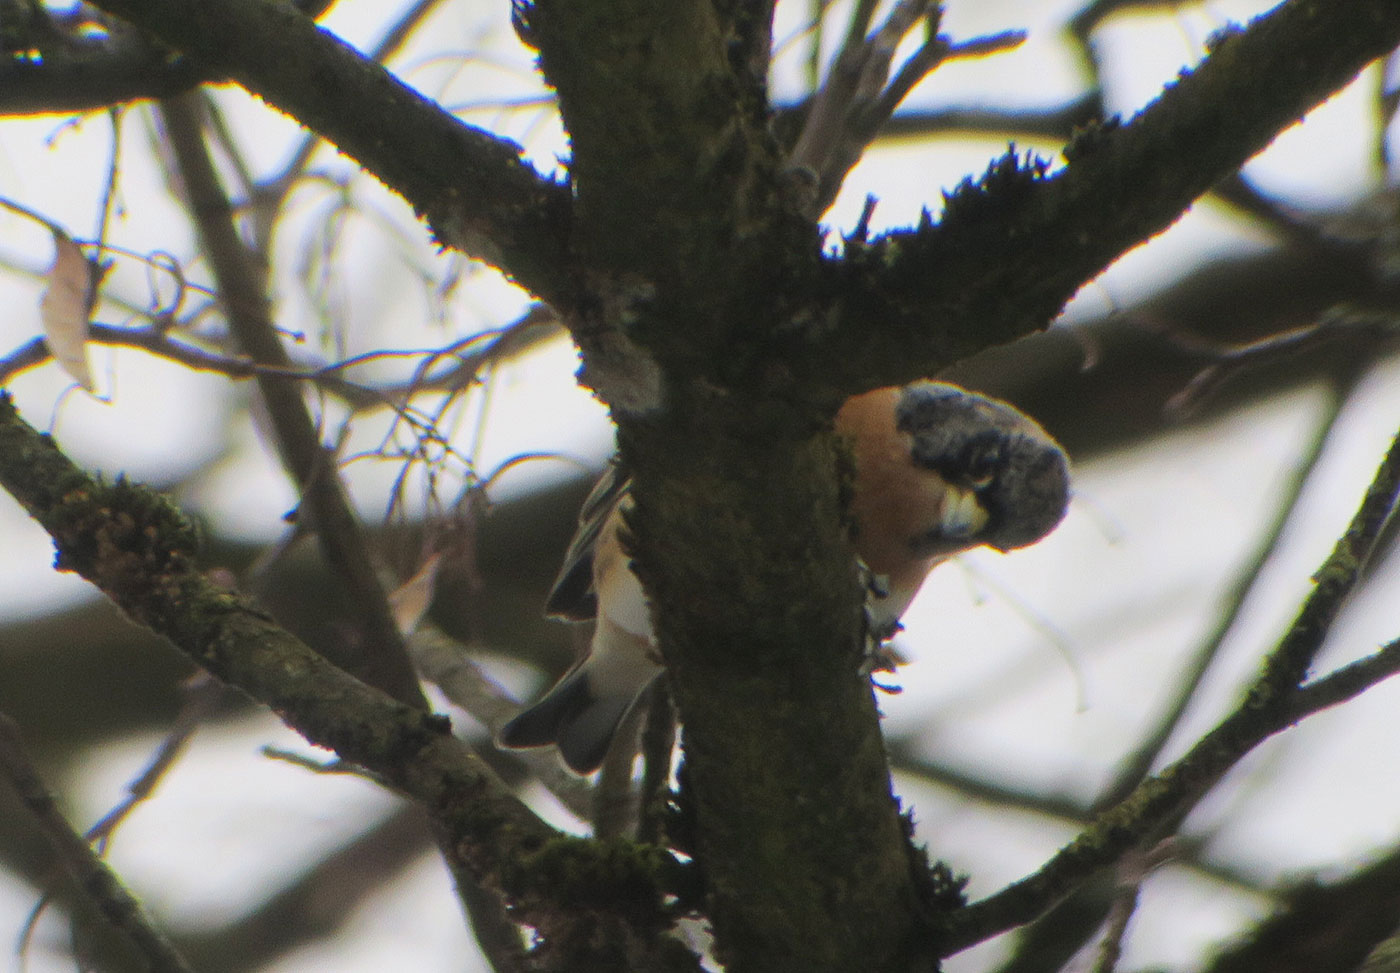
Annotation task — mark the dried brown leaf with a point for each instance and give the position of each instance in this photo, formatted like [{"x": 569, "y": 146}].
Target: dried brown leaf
[
  {"x": 409, "y": 601},
  {"x": 65, "y": 306}
]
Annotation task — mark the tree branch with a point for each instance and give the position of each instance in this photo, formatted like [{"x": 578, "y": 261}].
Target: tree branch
[
  {"x": 462, "y": 360},
  {"x": 708, "y": 320},
  {"x": 1014, "y": 246},
  {"x": 78, "y": 84},
  {"x": 1273, "y": 703},
  {"x": 319, "y": 901},
  {"x": 1134, "y": 766},
  {"x": 1072, "y": 922},
  {"x": 862, "y": 91},
  {"x": 1053, "y": 123},
  {"x": 1331, "y": 926},
  {"x": 386, "y": 663},
  {"x": 474, "y": 189},
  {"x": 117, "y": 905},
  {"x": 139, "y": 551}
]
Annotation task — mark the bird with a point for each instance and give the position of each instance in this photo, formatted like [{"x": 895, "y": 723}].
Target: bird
[{"x": 938, "y": 470}]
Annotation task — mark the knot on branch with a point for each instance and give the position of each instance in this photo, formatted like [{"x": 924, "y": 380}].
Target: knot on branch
[
  {"x": 126, "y": 538},
  {"x": 1090, "y": 137},
  {"x": 998, "y": 197},
  {"x": 941, "y": 891},
  {"x": 614, "y": 875},
  {"x": 597, "y": 904}
]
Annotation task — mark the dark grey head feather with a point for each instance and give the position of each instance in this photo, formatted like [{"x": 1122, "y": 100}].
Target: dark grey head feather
[{"x": 1018, "y": 473}]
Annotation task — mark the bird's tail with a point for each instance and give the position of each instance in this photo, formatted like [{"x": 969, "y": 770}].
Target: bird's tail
[{"x": 576, "y": 716}]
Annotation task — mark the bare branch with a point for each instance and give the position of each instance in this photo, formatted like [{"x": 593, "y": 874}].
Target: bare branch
[
  {"x": 1135, "y": 766},
  {"x": 860, "y": 95},
  {"x": 935, "y": 51},
  {"x": 1014, "y": 246},
  {"x": 1339, "y": 324},
  {"x": 536, "y": 326},
  {"x": 1075, "y": 919},
  {"x": 139, "y": 551},
  {"x": 474, "y": 189},
  {"x": 1346, "y": 682},
  {"x": 117, "y": 905},
  {"x": 1056, "y": 124},
  {"x": 201, "y": 695},
  {"x": 241, "y": 293},
  {"x": 1272, "y": 704}
]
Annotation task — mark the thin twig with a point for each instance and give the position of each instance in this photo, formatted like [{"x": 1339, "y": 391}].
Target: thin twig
[
  {"x": 117, "y": 905},
  {"x": 448, "y": 665},
  {"x": 1120, "y": 913},
  {"x": 1287, "y": 666},
  {"x": 241, "y": 293},
  {"x": 201, "y": 696},
  {"x": 1337, "y": 324},
  {"x": 826, "y": 119},
  {"x": 1347, "y": 682},
  {"x": 1132, "y": 872},
  {"x": 1135, "y": 766},
  {"x": 860, "y": 95},
  {"x": 833, "y": 99},
  {"x": 935, "y": 52},
  {"x": 1003, "y": 125},
  {"x": 658, "y": 748},
  {"x": 536, "y": 326}
]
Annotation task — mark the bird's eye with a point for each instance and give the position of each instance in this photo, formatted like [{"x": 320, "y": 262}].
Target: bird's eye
[{"x": 980, "y": 462}]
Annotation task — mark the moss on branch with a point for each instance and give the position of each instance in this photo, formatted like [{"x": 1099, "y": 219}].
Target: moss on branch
[
  {"x": 140, "y": 551},
  {"x": 1013, "y": 247}
]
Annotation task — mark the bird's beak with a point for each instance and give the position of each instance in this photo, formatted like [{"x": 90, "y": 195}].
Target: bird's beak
[
  {"x": 959, "y": 521},
  {"x": 963, "y": 514}
]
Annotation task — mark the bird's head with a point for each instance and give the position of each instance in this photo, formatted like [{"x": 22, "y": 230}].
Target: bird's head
[{"x": 1007, "y": 480}]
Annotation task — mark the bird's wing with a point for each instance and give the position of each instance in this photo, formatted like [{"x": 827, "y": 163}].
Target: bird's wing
[{"x": 572, "y": 595}]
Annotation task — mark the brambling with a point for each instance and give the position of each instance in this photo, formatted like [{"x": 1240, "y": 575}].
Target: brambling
[{"x": 937, "y": 470}]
